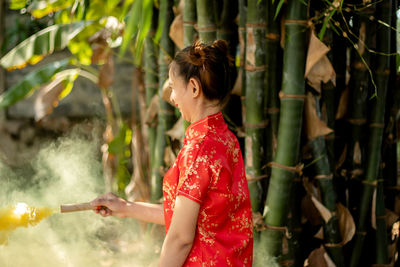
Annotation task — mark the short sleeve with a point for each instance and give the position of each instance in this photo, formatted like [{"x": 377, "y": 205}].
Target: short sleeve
[{"x": 194, "y": 173}]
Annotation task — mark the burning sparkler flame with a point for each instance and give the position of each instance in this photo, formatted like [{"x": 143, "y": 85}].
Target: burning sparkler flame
[
  {"x": 21, "y": 208},
  {"x": 20, "y": 215}
]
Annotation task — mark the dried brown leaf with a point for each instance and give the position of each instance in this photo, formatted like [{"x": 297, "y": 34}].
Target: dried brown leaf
[
  {"x": 322, "y": 71},
  {"x": 169, "y": 156},
  {"x": 320, "y": 233},
  {"x": 346, "y": 223},
  {"x": 106, "y": 74},
  {"x": 249, "y": 152},
  {"x": 323, "y": 211},
  {"x": 357, "y": 153},
  {"x": 391, "y": 218},
  {"x": 152, "y": 110},
  {"x": 177, "y": 131},
  {"x": 100, "y": 52},
  {"x": 237, "y": 88},
  {"x": 316, "y": 51},
  {"x": 373, "y": 210},
  {"x": 316, "y": 258},
  {"x": 166, "y": 92},
  {"x": 250, "y": 47},
  {"x": 343, "y": 103},
  {"x": 176, "y": 31},
  {"x": 314, "y": 126},
  {"x": 47, "y": 98},
  {"x": 309, "y": 211},
  {"x": 361, "y": 40},
  {"x": 342, "y": 158},
  {"x": 397, "y": 204}
]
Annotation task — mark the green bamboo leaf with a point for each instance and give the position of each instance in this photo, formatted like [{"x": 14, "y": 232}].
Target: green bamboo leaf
[
  {"x": 42, "y": 43},
  {"x": 31, "y": 82},
  {"x": 278, "y": 8},
  {"x": 132, "y": 25},
  {"x": 39, "y": 9},
  {"x": 161, "y": 22},
  {"x": 144, "y": 27}
]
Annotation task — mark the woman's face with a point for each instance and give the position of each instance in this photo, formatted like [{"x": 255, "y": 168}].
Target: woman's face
[{"x": 181, "y": 94}]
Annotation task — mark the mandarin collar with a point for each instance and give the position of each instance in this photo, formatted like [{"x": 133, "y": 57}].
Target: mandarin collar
[{"x": 203, "y": 126}]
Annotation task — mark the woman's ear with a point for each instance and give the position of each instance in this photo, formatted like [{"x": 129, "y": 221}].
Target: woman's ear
[{"x": 195, "y": 87}]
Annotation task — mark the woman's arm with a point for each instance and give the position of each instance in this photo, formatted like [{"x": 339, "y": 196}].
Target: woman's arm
[
  {"x": 180, "y": 236},
  {"x": 111, "y": 205}
]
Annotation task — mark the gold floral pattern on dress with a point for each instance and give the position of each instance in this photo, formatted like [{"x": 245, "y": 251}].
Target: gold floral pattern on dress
[{"x": 209, "y": 170}]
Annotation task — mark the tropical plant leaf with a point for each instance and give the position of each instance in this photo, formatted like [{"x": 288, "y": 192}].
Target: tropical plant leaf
[
  {"x": 31, "y": 82},
  {"x": 17, "y": 4},
  {"x": 42, "y": 8},
  {"x": 120, "y": 147},
  {"x": 132, "y": 25},
  {"x": 50, "y": 94},
  {"x": 42, "y": 43}
]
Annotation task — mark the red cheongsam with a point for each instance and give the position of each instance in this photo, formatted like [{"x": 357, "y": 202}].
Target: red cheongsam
[{"x": 209, "y": 170}]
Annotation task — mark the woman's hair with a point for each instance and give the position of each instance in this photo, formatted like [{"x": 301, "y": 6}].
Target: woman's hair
[{"x": 210, "y": 65}]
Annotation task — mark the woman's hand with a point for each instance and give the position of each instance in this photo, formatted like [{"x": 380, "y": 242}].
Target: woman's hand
[{"x": 110, "y": 205}]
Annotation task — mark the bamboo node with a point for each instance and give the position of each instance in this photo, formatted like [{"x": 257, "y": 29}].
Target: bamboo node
[
  {"x": 283, "y": 95},
  {"x": 259, "y": 125},
  {"x": 273, "y": 36},
  {"x": 256, "y": 25},
  {"x": 185, "y": 22},
  {"x": 383, "y": 72},
  {"x": 333, "y": 245},
  {"x": 359, "y": 65},
  {"x": 296, "y": 169},
  {"x": 296, "y": 21},
  {"x": 357, "y": 121},
  {"x": 272, "y": 110},
  {"x": 286, "y": 263},
  {"x": 330, "y": 136},
  {"x": 207, "y": 29},
  {"x": 279, "y": 228},
  {"x": 361, "y": 233},
  {"x": 371, "y": 183},
  {"x": 252, "y": 68},
  {"x": 251, "y": 178},
  {"x": 324, "y": 176},
  {"x": 377, "y": 125}
]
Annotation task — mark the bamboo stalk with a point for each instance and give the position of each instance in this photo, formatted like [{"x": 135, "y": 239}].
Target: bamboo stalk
[
  {"x": 358, "y": 85},
  {"x": 206, "y": 21},
  {"x": 189, "y": 20},
  {"x": 292, "y": 102},
  {"x": 390, "y": 150},
  {"x": 242, "y": 41},
  {"x": 322, "y": 169},
  {"x": 151, "y": 82},
  {"x": 376, "y": 122},
  {"x": 255, "y": 120},
  {"x": 227, "y": 29},
  {"x": 166, "y": 112},
  {"x": 273, "y": 79}
]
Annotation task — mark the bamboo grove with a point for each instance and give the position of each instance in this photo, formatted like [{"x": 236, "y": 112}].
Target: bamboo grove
[{"x": 315, "y": 106}]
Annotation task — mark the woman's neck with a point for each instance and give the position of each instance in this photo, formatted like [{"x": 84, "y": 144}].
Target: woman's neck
[{"x": 205, "y": 111}]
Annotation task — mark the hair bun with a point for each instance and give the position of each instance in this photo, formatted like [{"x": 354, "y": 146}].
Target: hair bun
[
  {"x": 222, "y": 47},
  {"x": 197, "y": 54}
]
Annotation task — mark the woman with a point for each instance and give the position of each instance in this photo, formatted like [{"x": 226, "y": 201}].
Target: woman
[{"x": 206, "y": 208}]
